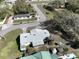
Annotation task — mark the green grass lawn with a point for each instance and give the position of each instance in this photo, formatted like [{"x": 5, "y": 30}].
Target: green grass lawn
[
  {"x": 1, "y": 20},
  {"x": 8, "y": 47},
  {"x": 49, "y": 14},
  {"x": 77, "y": 54}
]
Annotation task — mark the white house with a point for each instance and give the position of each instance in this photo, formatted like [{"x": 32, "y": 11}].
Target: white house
[
  {"x": 22, "y": 16},
  {"x": 10, "y": 1},
  {"x": 36, "y": 37},
  {"x": 13, "y": 1}
]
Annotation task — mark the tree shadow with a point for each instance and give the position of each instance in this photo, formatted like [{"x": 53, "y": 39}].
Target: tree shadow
[
  {"x": 18, "y": 42},
  {"x": 18, "y": 58},
  {"x": 75, "y": 44}
]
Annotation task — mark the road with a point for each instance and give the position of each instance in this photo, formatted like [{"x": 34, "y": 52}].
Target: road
[{"x": 21, "y": 26}]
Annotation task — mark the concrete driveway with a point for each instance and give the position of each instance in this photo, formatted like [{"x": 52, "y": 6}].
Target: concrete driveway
[{"x": 41, "y": 16}]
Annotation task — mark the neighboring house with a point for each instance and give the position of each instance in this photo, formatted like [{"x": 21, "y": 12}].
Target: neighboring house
[
  {"x": 41, "y": 55},
  {"x": 69, "y": 56},
  {"x": 36, "y": 37},
  {"x": 13, "y": 1},
  {"x": 22, "y": 16},
  {"x": 10, "y": 1},
  {"x": 41, "y": 0}
]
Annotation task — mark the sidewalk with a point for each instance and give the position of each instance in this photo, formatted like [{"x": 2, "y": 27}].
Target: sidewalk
[
  {"x": 3, "y": 21},
  {"x": 10, "y": 21}
]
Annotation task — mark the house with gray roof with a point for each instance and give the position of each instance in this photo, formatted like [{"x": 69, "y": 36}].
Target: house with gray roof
[{"x": 36, "y": 37}]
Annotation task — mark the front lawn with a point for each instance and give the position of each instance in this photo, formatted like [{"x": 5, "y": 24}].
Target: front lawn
[
  {"x": 8, "y": 46},
  {"x": 77, "y": 54}
]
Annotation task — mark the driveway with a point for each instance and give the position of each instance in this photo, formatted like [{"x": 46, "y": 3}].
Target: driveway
[{"x": 41, "y": 16}]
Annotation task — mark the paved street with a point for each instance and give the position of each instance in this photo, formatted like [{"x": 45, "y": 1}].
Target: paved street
[{"x": 21, "y": 26}]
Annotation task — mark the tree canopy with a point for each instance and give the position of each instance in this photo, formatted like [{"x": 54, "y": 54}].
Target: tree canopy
[
  {"x": 5, "y": 12},
  {"x": 21, "y": 7},
  {"x": 1, "y": 1},
  {"x": 67, "y": 23}
]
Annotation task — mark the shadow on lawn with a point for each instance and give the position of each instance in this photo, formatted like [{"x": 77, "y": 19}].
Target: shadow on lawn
[{"x": 18, "y": 42}]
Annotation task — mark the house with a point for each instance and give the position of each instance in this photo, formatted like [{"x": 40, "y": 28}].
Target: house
[
  {"x": 22, "y": 16},
  {"x": 36, "y": 37},
  {"x": 10, "y": 1},
  {"x": 69, "y": 56},
  {"x": 41, "y": 55},
  {"x": 13, "y": 1}
]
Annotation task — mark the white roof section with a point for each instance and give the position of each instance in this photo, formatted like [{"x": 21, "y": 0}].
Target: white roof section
[
  {"x": 54, "y": 51},
  {"x": 69, "y": 56},
  {"x": 36, "y": 36}
]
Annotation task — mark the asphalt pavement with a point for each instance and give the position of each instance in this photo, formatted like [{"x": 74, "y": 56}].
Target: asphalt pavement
[
  {"x": 21, "y": 26},
  {"x": 41, "y": 17}
]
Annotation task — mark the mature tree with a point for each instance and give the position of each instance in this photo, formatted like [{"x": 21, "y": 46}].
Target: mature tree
[
  {"x": 57, "y": 3},
  {"x": 5, "y": 12},
  {"x": 67, "y": 23},
  {"x": 52, "y": 5},
  {"x": 1, "y": 1},
  {"x": 21, "y": 7},
  {"x": 72, "y": 7}
]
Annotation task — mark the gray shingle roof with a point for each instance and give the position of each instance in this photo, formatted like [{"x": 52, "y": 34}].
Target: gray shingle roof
[
  {"x": 36, "y": 36},
  {"x": 21, "y": 15}
]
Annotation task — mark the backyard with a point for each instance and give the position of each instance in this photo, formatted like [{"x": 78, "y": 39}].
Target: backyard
[{"x": 8, "y": 46}]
